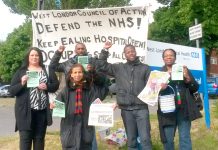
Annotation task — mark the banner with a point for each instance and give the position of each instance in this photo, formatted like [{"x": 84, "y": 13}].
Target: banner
[{"x": 93, "y": 27}]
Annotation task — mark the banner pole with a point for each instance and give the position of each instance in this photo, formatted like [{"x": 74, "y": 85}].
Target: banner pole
[{"x": 205, "y": 91}]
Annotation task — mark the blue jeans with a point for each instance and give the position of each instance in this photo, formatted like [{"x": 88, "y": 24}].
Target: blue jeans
[
  {"x": 94, "y": 142},
  {"x": 184, "y": 127},
  {"x": 136, "y": 123}
]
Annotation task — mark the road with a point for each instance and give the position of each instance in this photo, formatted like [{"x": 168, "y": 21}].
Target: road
[{"x": 7, "y": 125}]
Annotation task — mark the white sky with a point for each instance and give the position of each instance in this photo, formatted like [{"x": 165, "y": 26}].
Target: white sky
[{"x": 9, "y": 21}]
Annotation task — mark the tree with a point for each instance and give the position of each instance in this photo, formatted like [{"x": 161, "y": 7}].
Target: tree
[
  {"x": 26, "y": 6},
  {"x": 171, "y": 22},
  {"x": 13, "y": 50}
]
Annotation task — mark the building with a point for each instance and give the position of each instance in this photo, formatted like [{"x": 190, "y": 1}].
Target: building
[{"x": 212, "y": 64}]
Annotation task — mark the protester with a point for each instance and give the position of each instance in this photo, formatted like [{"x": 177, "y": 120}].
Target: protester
[
  {"x": 80, "y": 50},
  {"x": 131, "y": 77},
  {"x": 78, "y": 95},
  {"x": 186, "y": 110},
  {"x": 32, "y": 111}
]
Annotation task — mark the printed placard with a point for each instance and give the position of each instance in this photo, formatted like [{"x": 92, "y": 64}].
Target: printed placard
[{"x": 101, "y": 115}]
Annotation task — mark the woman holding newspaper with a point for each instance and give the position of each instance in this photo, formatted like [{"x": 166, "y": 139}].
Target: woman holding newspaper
[
  {"x": 182, "y": 110},
  {"x": 31, "y": 85},
  {"x": 78, "y": 95}
]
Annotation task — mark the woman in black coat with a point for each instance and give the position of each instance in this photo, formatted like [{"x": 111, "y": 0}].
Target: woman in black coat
[
  {"x": 78, "y": 95},
  {"x": 32, "y": 111},
  {"x": 185, "y": 108}
]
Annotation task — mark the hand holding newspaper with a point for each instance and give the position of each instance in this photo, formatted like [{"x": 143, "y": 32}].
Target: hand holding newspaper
[{"x": 151, "y": 91}]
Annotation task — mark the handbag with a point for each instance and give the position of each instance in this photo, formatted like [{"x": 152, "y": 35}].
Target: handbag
[{"x": 198, "y": 100}]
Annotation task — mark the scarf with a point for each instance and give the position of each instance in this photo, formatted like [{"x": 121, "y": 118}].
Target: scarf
[{"x": 78, "y": 102}]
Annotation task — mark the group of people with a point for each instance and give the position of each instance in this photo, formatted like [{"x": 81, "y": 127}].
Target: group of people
[{"x": 84, "y": 85}]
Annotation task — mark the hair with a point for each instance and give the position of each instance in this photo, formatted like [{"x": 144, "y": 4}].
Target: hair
[
  {"x": 169, "y": 49},
  {"x": 26, "y": 58},
  {"x": 128, "y": 45},
  {"x": 79, "y": 43}
]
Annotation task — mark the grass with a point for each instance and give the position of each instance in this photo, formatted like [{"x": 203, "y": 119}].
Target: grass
[
  {"x": 7, "y": 102},
  {"x": 202, "y": 138}
]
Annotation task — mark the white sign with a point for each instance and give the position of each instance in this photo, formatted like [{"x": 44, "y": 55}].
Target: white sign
[
  {"x": 189, "y": 56},
  {"x": 101, "y": 115},
  {"x": 195, "y": 32},
  {"x": 93, "y": 27}
]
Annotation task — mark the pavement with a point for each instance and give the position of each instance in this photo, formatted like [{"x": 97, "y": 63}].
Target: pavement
[{"x": 7, "y": 125}]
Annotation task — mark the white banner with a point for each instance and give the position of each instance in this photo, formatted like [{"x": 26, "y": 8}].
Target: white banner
[{"x": 93, "y": 27}]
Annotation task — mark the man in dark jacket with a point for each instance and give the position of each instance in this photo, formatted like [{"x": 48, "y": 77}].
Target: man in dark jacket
[
  {"x": 131, "y": 77},
  {"x": 80, "y": 50}
]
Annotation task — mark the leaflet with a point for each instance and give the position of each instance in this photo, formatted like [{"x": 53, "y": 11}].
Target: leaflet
[
  {"x": 83, "y": 60},
  {"x": 33, "y": 78},
  {"x": 59, "y": 109},
  {"x": 177, "y": 72}
]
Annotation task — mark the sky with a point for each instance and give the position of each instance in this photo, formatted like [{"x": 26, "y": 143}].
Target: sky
[{"x": 11, "y": 21}]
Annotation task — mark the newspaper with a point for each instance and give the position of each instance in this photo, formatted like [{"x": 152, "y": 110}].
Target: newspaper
[
  {"x": 33, "y": 78},
  {"x": 151, "y": 91},
  {"x": 101, "y": 114},
  {"x": 118, "y": 137}
]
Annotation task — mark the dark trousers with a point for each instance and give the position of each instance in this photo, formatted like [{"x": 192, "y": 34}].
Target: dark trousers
[
  {"x": 137, "y": 123},
  {"x": 37, "y": 133}
]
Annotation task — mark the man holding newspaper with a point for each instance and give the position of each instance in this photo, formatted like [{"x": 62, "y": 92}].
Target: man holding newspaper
[{"x": 131, "y": 77}]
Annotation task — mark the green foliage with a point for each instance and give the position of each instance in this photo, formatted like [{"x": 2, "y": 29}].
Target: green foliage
[
  {"x": 26, "y": 6},
  {"x": 21, "y": 6},
  {"x": 12, "y": 51},
  {"x": 108, "y": 3},
  {"x": 171, "y": 23},
  {"x": 164, "y": 2}
]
